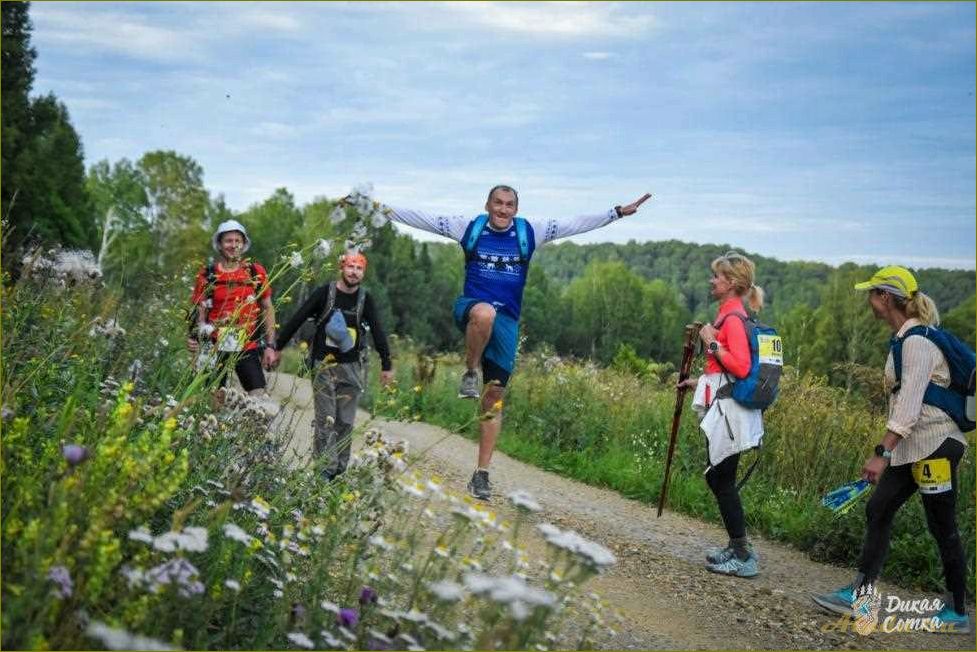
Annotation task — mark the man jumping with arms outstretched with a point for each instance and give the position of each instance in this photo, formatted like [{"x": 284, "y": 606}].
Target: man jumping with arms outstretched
[{"x": 498, "y": 246}]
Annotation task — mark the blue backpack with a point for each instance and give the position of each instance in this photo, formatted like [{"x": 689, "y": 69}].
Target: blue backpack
[
  {"x": 759, "y": 389},
  {"x": 960, "y": 360},
  {"x": 474, "y": 232}
]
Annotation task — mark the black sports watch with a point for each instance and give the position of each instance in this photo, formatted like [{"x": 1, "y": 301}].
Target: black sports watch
[
  {"x": 714, "y": 347},
  {"x": 882, "y": 451}
]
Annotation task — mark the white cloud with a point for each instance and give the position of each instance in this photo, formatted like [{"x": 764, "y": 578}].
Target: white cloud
[
  {"x": 598, "y": 56},
  {"x": 557, "y": 19},
  {"x": 112, "y": 31}
]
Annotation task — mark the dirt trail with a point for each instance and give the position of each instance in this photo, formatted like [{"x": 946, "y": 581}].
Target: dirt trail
[{"x": 659, "y": 584}]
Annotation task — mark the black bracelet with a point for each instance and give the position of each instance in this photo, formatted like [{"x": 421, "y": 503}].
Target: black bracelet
[{"x": 617, "y": 209}]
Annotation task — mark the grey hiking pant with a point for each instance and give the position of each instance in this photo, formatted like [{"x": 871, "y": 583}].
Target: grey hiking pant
[{"x": 336, "y": 392}]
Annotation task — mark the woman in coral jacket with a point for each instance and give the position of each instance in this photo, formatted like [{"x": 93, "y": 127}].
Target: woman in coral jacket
[{"x": 730, "y": 428}]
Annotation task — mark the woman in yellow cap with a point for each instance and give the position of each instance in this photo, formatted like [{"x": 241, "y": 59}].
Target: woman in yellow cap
[{"x": 921, "y": 449}]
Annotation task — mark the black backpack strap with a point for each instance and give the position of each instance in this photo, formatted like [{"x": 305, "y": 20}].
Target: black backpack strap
[
  {"x": 749, "y": 471},
  {"x": 360, "y": 302},
  {"x": 330, "y": 302}
]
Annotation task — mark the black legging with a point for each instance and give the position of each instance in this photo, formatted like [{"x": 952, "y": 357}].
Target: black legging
[
  {"x": 895, "y": 487},
  {"x": 722, "y": 481}
]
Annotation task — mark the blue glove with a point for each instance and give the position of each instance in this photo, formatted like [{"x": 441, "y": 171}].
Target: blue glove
[
  {"x": 844, "y": 497},
  {"x": 336, "y": 332}
]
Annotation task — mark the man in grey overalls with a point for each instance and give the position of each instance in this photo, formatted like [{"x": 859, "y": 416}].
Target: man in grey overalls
[{"x": 340, "y": 309}]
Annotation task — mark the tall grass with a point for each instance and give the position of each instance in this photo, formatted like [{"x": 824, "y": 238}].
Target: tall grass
[
  {"x": 610, "y": 428},
  {"x": 135, "y": 515}
]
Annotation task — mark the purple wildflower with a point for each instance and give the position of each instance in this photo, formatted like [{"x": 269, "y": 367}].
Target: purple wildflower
[
  {"x": 64, "y": 587},
  {"x": 74, "y": 454},
  {"x": 348, "y": 618},
  {"x": 368, "y": 596},
  {"x": 178, "y": 572}
]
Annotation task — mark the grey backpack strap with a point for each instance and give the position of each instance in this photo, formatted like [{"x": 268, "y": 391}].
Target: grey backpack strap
[{"x": 330, "y": 302}]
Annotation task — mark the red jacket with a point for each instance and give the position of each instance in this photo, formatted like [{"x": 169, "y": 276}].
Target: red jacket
[
  {"x": 732, "y": 337},
  {"x": 231, "y": 293}
]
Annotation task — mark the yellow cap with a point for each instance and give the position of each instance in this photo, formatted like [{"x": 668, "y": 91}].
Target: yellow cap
[{"x": 897, "y": 280}]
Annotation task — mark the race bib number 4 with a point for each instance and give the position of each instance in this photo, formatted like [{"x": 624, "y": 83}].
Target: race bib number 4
[
  {"x": 771, "y": 349},
  {"x": 932, "y": 476}
]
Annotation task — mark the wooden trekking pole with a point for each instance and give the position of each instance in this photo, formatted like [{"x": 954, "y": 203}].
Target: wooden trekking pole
[{"x": 688, "y": 353}]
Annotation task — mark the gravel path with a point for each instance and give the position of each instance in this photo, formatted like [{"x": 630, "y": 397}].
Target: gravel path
[{"x": 667, "y": 598}]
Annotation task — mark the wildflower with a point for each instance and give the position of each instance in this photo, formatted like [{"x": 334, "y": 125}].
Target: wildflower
[
  {"x": 61, "y": 578},
  {"x": 378, "y": 541},
  {"x": 330, "y": 640},
  {"x": 234, "y": 585},
  {"x": 368, "y": 596},
  {"x": 593, "y": 554},
  {"x": 523, "y": 500},
  {"x": 295, "y": 260},
  {"x": 379, "y": 641},
  {"x": 180, "y": 573},
  {"x": 120, "y": 639},
  {"x": 447, "y": 591},
  {"x": 323, "y": 247},
  {"x": 300, "y": 639},
  {"x": 260, "y": 507},
  {"x": 338, "y": 215},
  {"x": 511, "y": 591},
  {"x": 348, "y": 618},
  {"x": 191, "y": 539},
  {"x": 109, "y": 328},
  {"x": 74, "y": 454},
  {"x": 329, "y": 606},
  {"x": 6, "y": 413}
]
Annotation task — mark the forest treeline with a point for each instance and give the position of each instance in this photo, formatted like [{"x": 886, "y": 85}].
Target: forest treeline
[{"x": 152, "y": 218}]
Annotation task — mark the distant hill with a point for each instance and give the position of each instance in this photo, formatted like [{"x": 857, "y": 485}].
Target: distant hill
[{"x": 685, "y": 266}]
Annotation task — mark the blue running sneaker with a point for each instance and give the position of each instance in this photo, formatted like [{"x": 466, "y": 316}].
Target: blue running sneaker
[
  {"x": 736, "y": 567},
  {"x": 950, "y": 622},
  {"x": 719, "y": 555},
  {"x": 839, "y": 602}
]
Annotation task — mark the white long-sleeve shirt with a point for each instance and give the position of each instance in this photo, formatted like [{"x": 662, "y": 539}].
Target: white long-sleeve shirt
[
  {"x": 453, "y": 226},
  {"x": 496, "y": 272}
]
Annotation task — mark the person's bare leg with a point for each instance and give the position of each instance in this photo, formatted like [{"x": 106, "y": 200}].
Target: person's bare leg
[
  {"x": 477, "y": 333},
  {"x": 489, "y": 429}
]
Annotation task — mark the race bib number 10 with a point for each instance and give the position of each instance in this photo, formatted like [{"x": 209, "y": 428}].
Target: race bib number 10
[
  {"x": 932, "y": 476},
  {"x": 771, "y": 349}
]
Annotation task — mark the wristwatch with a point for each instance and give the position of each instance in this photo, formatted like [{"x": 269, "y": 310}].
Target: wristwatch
[
  {"x": 881, "y": 451},
  {"x": 714, "y": 347}
]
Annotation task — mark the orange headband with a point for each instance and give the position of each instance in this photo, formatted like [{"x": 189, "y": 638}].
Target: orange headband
[{"x": 349, "y": 259}]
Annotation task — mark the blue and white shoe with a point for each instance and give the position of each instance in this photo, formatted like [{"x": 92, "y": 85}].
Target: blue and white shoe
[
  {"x": 719, "y": 555},
  {"x": 839, "y": 602},
  {"x": 951, "y": 622},
  {"x": 736, "y": 567}
]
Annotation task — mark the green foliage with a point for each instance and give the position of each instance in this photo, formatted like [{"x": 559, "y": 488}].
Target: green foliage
[
  {"x": 43, "y": 191},
  {"x": 962, "y": 320},
  {"x": 609, "y": 428},
  {"x": 134, "y": 507},
  {"x": 609, "y": 305}
]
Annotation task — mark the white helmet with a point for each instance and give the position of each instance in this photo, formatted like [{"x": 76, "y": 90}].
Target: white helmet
[{"x": 227, "y": 227}]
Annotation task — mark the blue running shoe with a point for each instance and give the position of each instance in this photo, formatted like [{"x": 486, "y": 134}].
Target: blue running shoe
[
  {"x": 950, "y": 622},
  {"x": 839, "y": 602},
  {"x": 736, "y": 567}
]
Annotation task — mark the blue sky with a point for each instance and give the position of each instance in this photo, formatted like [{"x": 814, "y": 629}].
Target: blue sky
[{"x": 814, "y": 131}]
